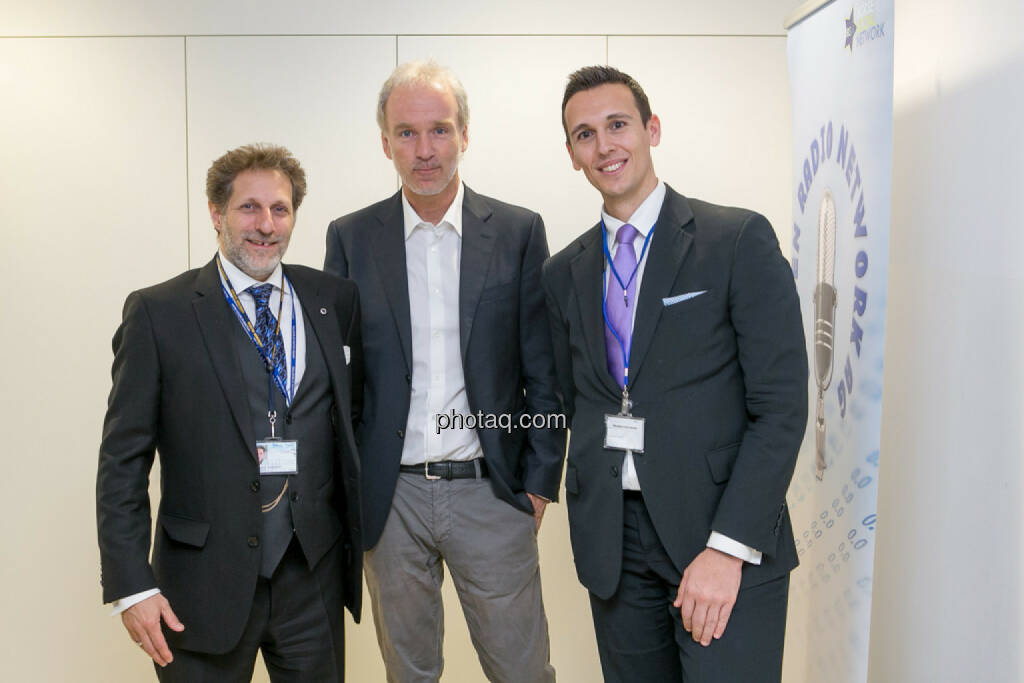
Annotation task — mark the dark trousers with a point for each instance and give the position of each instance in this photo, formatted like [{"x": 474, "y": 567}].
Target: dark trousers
[
  {"x": 640, "y": 635},
  {"x": 294, "y": 621}
]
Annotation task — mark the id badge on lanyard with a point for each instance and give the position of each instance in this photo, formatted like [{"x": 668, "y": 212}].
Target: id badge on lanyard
[{"x": 622, "y": 431}]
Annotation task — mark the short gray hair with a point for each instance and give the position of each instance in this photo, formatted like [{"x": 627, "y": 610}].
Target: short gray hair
[{"x": 424, "y": 73}]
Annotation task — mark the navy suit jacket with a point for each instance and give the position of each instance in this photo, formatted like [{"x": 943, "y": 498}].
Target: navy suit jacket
[
  {"x": 178, "y": 390},
  {"x": 505, "y": 344},
  {"x": 721, "y": 379}
]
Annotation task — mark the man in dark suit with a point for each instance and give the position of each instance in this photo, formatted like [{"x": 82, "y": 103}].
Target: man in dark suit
[
  {"x": 680, "y": 353},
  {"x": 243, "y": 375},
  {"x": 458, "y": 363}
]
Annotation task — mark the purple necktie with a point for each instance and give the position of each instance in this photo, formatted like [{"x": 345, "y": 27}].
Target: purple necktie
[{"x": 618, "y": 307}]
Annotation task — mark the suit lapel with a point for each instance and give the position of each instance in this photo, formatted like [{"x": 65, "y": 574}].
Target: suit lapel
[
  {"x": 217, "y": 323},
  {"x": 322, "y": 318},
  {"x": 587, "y": 279},
  {"x": 672, "y": 238},
  {"x": 478, "y": 240},
  {"x": 389, "y": 254}
]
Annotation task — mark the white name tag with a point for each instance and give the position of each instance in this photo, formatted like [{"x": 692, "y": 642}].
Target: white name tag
[
  {"x": 278, "y": 456},
  {"x": 624, "y": 433}
]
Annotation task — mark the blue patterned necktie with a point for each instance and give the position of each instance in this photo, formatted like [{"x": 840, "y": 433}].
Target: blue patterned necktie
[
  {"x": 619, "y": 306},
  {"x": 270, "y": 335}
]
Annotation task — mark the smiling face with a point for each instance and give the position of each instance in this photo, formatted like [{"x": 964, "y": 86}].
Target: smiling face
[
  {"x": 610, "y": 144},
  {"x": 254, "y": 227},
  {"x": 423, "y": 139}
]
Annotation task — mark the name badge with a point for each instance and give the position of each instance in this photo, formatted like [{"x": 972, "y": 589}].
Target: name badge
[
  {"x": 624, "y": 433},
  {"x": 278, "y": 456}
]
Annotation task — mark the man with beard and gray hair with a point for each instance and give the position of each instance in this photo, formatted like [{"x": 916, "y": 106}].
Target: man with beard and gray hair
[{"x": 454, "y": 318}]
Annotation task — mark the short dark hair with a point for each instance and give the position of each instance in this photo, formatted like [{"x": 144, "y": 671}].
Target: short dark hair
[
  {"x": 590, "y": 77},
  {"x": 220, "y": 179}
]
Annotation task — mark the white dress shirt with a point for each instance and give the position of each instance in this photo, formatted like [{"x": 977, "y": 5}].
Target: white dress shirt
[
  {"x": 241, "y": 282},
  {"x": 432, "y": 257},
  {"x": 643, "y": 219}
]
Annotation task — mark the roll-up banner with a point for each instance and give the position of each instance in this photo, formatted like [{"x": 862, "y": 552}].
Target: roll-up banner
[{"x": 841, "y": 80}]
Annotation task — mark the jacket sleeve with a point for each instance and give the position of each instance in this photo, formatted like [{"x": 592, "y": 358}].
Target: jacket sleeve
[
  {"x": 765, "y": 313},
  {"x": 546, "y": 443},
  {"x": 126, "y": 456}
]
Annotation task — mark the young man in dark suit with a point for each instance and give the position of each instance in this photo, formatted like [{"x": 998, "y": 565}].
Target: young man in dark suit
[
  {"x": 243, "y": 375},
  {"x": 680, "y": 354},
  {"x": 457, "y": 353}
]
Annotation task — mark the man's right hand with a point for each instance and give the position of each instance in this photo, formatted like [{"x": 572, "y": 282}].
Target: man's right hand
[{"x": 142, "y": 621}]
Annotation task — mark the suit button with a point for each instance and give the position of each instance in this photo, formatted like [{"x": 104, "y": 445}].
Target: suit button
[
  {"x": 408, "y": 379},
  {"x": 401, "y": 433},
  {"x": 295, "y": 496},
  {"x": 254, "y": 485},
  {"x": 615, "y": 470},
  {"x": 253, "y": 541}
]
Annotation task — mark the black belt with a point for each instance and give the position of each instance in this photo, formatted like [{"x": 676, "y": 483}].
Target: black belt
[{"x": 448, "y": 469}]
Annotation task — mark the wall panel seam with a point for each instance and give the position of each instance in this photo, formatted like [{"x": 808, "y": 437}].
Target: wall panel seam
[{"x": 403, "y": 35}]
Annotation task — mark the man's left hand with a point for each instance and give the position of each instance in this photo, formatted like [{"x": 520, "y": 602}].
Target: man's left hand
[
  {"x": 707, "y": 594},
  {"x": 538, "y": 508}
]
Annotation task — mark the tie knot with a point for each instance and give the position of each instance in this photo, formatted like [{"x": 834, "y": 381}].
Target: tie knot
[
  {"x": 626, "y": 234},
  {"x": 261, "y": 294}
]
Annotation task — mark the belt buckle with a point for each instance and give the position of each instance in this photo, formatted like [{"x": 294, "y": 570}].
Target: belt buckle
[{"x": 426, "y": 472}]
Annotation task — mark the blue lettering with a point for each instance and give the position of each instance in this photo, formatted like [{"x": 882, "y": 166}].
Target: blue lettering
[
  {"x": 860, "y": 266},
  {"x": 858, "y": 217},
  {"x": 856, "y": 336},
  {"x": 801, "y": 196},
  {"x": 856, "y": 184},
  {"x": 860, "y": 301},
  {"x": 827, "y": 140},
  {"x": 844, "y": 138},
  {"x": 841, "y": 390},
  {"x": 850, "y": 164},
  {"x": 848, "y": 374}
]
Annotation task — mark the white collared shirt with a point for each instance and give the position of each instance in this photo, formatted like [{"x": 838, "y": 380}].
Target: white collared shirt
[
  {"x": 643, "y": 219},
  {"x": 241, "y": 282},
  {"x": 432, "y": 258}
]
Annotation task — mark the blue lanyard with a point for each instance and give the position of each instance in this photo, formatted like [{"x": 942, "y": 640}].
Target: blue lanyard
[
  {"x": 604, "y": 299},
  {"x": 287, "y": 391}
]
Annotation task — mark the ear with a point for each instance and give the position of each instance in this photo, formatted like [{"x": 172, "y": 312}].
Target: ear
[
  {"x": 465, "y": 138},
  {"x": 215, "y": 216},
  {"x": 572, "y": 157},
  {"x": 654, "y": 130},
  {"x": 385, "y": 144}
]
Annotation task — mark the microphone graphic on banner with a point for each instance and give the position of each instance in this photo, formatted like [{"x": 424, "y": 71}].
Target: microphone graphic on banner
[{"x": 824, "y": 317}]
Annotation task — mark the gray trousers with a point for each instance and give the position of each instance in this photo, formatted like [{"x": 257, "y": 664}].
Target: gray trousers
[{"x": 491, "y": 551}]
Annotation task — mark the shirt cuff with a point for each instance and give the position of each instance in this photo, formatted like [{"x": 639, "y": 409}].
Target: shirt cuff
[
  {"x": 728, "y": 546},
  {"x": 124, "y": 603}
]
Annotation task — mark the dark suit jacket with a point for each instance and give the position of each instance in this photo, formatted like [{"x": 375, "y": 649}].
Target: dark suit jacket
[
  {"x": 721, "y": 379},
  {"x": 506, "y": 348},
  {"x": 178, "y": 389}
]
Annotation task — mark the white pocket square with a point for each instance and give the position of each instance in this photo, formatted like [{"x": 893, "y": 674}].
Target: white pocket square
[
  {"x": 348, "y": 353},
  {"x": 669, "y": 300}
]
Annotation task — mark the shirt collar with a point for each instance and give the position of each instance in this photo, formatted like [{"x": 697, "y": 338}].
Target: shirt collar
[
  {"x": 453, "y": 216},
  {"x": 241, "y": 282},
  {"x": 643, "y": 219}
]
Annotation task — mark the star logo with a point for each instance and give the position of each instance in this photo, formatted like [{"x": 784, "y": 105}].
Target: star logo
[{"x": 851, "y": 31}]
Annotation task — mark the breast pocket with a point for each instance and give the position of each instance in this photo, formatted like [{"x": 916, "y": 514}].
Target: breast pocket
[{"x": 498, "y": 292}]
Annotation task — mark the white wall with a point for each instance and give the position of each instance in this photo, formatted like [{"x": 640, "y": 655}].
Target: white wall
[
  {"x": 948, "y": 564},
  {"x": 111, "y": 114}
]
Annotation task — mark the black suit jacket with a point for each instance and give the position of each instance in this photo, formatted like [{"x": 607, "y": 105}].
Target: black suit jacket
[
  {"x": 506, "y": 348},
  {"x": 721, "y": 379},
  {"x": 178, "y": 389}
]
